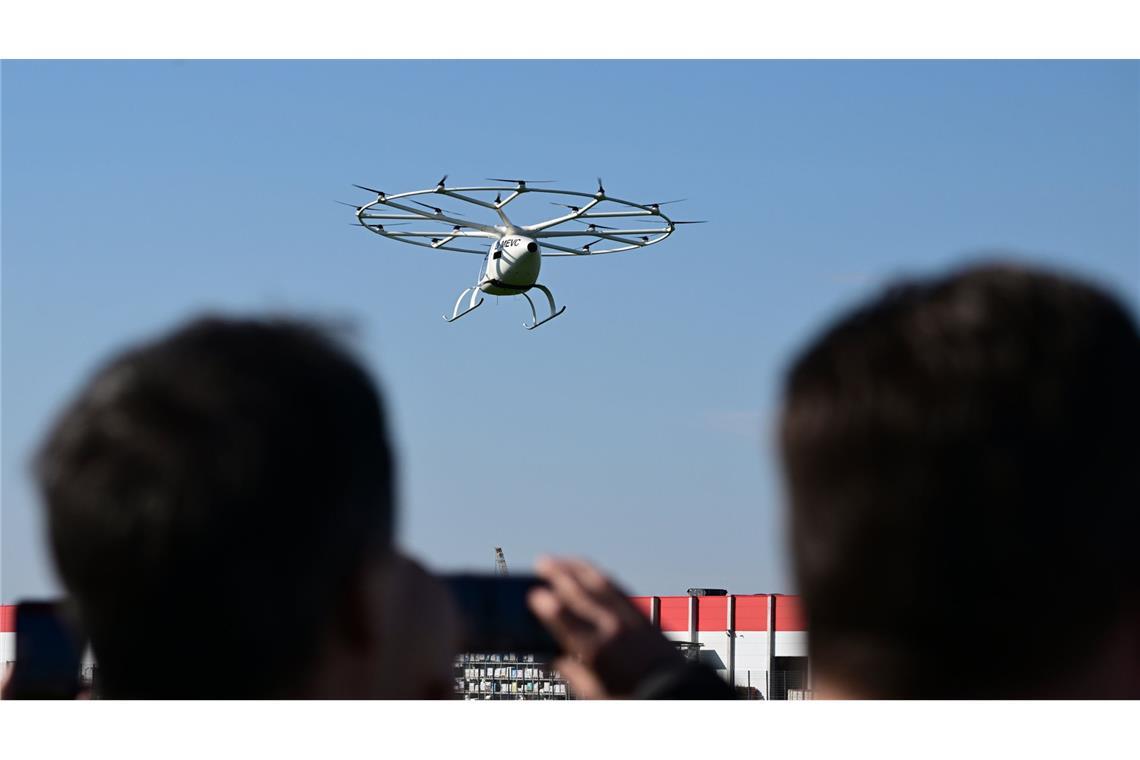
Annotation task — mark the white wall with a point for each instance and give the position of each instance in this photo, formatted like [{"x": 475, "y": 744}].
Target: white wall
[
  {"x": 751, "y": 652},
  {"x": 791, "y": 644},
  {"x": 7, "y": 647},
  {"x": 752, "y": 655}
]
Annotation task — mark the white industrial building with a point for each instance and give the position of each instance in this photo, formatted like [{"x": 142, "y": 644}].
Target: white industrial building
[{"x": 758, "y": 642}]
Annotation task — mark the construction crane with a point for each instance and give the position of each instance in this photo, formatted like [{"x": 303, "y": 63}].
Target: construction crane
[{"x": 500, "y": 561}]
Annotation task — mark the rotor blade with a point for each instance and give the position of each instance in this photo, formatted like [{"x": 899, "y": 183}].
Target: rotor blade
[
  {"x": 601, "y": 188},
  {"x": 362, "y": 187},
  {"x": 666, "y": 203},
  {"x": 566, "y": 205},
  {"x": 350, "y": 205},
  {"x": 381, "y": 226},
  {"x": 522, "y": 181},
  {"x": 699, "y": 221},
  {"x": 437, "y": 209},
  {"x": 441, "y": 181},
  {"x": 599, "y": 226}
]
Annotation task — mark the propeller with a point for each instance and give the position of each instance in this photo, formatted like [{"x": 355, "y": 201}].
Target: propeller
[
  {"x": 601, "y": 189},
  {"x": 521, "y": 182},
  {"x": 586, "y": 247},
  {"x": 352, "y": 206},
  {"x": 699, "y": 221},
  {"x": 593, "y": 226},
  {"x": 656, "y": 206},
  {"x": 498, "y": 198},
  {"x": 380, "y": 193},
  {"x": 382, "y": 220},
  {"x": 438, "y": 211},
  {"x": 575, "y": 209},
  {"x": 442, "y": 179},
  {"x": 379, "y": 226}
]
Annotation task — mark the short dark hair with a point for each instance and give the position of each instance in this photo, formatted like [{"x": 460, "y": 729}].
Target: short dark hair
[
  {"x": 209, "y": 496},
  {"x": 963, "y": 454}
]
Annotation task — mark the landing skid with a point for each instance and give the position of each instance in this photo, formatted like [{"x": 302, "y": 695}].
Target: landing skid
[
  {"x": 472, "y": 306},
  {"x": 534, "y": 315}
]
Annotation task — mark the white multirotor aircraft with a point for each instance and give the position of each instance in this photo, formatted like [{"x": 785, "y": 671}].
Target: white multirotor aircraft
[{"x": 515, "y": 252}]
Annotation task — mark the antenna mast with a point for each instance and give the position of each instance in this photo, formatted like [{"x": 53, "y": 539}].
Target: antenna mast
[{"x": 500, "y": 561}]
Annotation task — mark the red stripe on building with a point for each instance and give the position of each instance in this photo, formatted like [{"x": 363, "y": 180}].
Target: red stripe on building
[
  {"x": 790, "y": 614},
  {"x": 7, "y": 618},
  {"x": 674, "y": 613},
  {"x": 711, "y": 613},
  {"x": 752, "y": 613}
]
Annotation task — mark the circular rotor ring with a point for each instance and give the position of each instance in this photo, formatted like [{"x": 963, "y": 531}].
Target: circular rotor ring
[{"x": 402, "y": 208}]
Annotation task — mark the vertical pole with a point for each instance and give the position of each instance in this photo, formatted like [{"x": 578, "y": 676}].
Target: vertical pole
[
  {"x": 771, "y": 643},
  {"x": 655, "y": 611},
  {"x": 693, "y": 613},
  {"x": 730, "y": 630}
]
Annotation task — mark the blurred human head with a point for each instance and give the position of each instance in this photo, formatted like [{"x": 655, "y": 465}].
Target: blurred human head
[
  {"x": 963, "y": 462},
  {"x": 220, "y": 508}
]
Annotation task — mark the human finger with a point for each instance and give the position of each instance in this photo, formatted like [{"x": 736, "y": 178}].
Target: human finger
[
  {"x": 570, "y": 631},
  {"x": 602, "y": 589},
  {"x": 566, "y": 585},
  {"x": 606, "y": 593},
  {"x": 582, "y": 681}
]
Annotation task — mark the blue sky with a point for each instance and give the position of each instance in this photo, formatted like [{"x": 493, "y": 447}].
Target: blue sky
[{"x": 634, "y": 429}]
